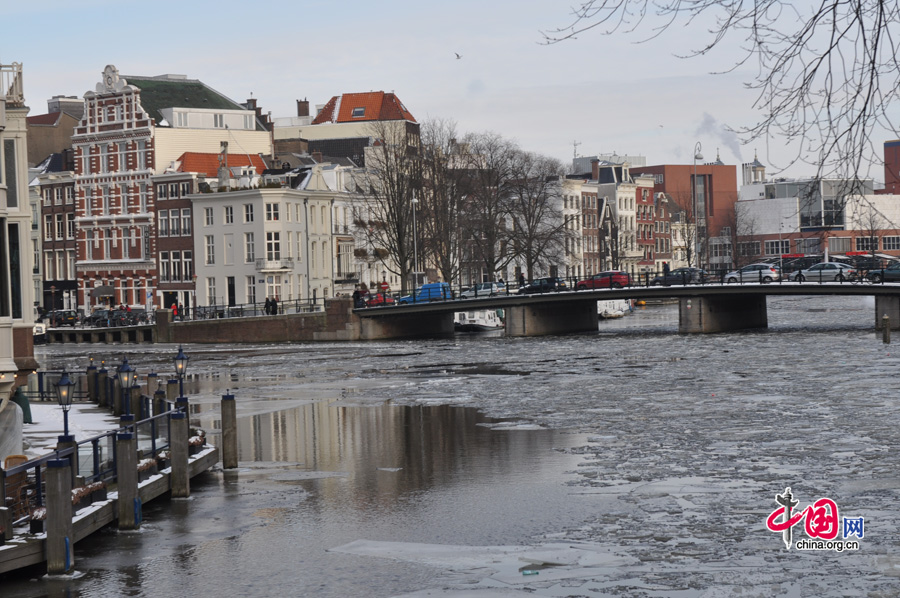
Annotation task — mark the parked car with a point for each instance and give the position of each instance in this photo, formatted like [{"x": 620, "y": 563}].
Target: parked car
[
  {"x": 544, "y": 285},
  {"x": 433, "y": 291},
  {"x": 889, "y": 274},
  {"x": 681, "y": 276},
  {"x": 379, "y": 300},
  {"x": 98, "y": 317},
  {"x": 605, "y": 280},
  {"x": 63, "y": 317},
  {"x": 826, "y": 272},
  {"x": 484, "y": 289},
  {"x": 754, "y": 273}
]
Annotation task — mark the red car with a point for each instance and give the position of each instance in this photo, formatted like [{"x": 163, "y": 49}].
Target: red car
[
  {"x": 604, "y": 280},
  {"x": 378, "y": 300}
]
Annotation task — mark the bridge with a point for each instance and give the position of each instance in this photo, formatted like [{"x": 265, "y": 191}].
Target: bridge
[{"x": 703, "y": 308}]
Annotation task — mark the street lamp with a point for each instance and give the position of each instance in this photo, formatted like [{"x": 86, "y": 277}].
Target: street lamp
[
  {"x": 697, "y": 156},
  {"x": 181, "y": 363},
  {"x": 415, "y": 203},
  {"x": 64, "y": 398},
  {"x": 127, "y": 375},
  {"x": 194, "y": 297}
]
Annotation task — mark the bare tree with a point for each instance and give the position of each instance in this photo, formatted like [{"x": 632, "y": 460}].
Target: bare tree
[
  {"x": 744, "y": 239},
  {"x": 445, "y": 185},
  {"x": 490, "y": 160},
  {"x": 870, "y": 222},
  {"x": 684, "y": 223},
  {"x": 384, "y": 214},
  {"x": 828, "y": 72},
  {"x": 534, "y": 210}
]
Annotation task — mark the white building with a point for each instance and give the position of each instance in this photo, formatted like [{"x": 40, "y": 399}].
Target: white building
[
  {"x": 16, "y": 252},
  {"x": 258, "y": 243}
]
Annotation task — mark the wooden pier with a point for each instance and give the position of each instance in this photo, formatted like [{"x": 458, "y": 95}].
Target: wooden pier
[{"x": 26, "y": 549}]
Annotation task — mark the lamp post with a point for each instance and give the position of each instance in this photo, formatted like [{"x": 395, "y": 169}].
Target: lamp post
[
  {"x": 194, "y": 297},
  {"x": 52, "y": 297},
  {"x": 415, "y": 203},
  {"x": 181, "y": 363},
  {"x": 64, "y": 398},
  {"x": 697, "y": 156},
  {"x": 127, "y": 376}
]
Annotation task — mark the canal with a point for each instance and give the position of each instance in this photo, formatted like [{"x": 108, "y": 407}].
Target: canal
[{"x": 629, "y": 462}]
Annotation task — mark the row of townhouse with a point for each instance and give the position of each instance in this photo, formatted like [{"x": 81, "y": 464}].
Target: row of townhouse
[{"x": 129, "y": 209}]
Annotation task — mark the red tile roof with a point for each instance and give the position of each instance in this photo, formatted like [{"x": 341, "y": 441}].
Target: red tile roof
[
  {"x": 43, "y": 119},
  {"x": 373, "y": 105},
  {"x": 208, "y": 164}
]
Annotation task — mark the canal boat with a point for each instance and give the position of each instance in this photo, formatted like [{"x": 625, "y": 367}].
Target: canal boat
[
  {"x": 615, "y": 308},
  {"x": 478, "y": 320}
]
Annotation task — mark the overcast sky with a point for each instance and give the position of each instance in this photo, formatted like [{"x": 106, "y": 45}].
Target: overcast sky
[{"x": 607, "y": 93}]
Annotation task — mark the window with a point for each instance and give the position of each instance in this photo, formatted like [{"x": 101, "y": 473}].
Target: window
[
  {"x": 210, "y": 291},
  {"x": 271, "y": 211},
  {"x": 867, "y": 243},
  {"x": 174, "y": 223},
  {"x": 142, "y": 198},
  {"x": 890, "y": 243},
  {"x": 48, "y": 227},
  {"x": 58, "y": 196},
  {"x": 105, "y": 201},
  {"x": 48, "y": 196},
  {"x": 188, "y": 261},
  {"x": 210, "y": 249},
  {"x": 207, "y": 216},
  {"x": 248, "y": 212},
  {"x": 249, "y": 248},
  {"x": 60, "y": 226},
  {"x": 182, "y": 120},
  {"x": 184, "y": 189},
  {"x": 836, "y": 244},
  {"x": 359, "y": 112},
  {"x": 89, "y": 245},
  {"x": 248, "y": 122},
  {"x": 162, "y": 192},
  {"x": 126, "y": 242},
  {"x": 123, "y": 198},
  {"x": 229, "y": 215},
  {"x": 176, "y": 266},
  {"x": 70, "y": 225},
  {"x": 163, "y": 226},
  {"x": 251, "y": 289},
  {"x": 219, "y": 121},
  {"x": 273, "y": 246},
  {"x": 778, "y": 247},
  {"x": 141, "y": 155},
  {"x": 186, "y": 222}
]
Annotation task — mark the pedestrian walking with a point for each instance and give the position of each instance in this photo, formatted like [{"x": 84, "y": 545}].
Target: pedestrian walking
[
  {"x": 267, "y": 308},
  {"x": 274, "y": 306}
]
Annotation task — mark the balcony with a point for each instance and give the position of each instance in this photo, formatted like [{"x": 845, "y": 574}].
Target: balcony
[{"x": 286, "y": 263}]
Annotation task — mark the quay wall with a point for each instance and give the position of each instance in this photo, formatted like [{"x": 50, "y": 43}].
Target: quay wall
[{"x": 336, "y": 323}]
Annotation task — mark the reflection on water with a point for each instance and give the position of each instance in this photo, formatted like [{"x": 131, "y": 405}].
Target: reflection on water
[{"x": 324, "y": 474}]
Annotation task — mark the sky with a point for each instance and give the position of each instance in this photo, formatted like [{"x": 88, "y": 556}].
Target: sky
[{"x": 593, "y": 95}]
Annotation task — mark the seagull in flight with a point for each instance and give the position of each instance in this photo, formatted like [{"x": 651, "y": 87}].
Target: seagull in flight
[{"x": 458, "y": 55}]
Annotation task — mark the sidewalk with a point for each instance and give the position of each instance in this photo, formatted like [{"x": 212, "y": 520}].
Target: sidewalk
[{"x": 85, "y": 421}]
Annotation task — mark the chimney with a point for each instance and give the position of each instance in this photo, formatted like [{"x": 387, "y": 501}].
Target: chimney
[
  {"x": 317, "y": 156},
  {"x": 303, "y": 107},
  {"x": 595, "y": 169}
]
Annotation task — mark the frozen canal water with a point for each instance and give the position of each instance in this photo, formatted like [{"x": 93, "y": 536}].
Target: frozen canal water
[{"x": 630, "y": 462}]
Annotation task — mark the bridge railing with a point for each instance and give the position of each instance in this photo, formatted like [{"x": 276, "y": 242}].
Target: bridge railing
[{"x": 645, "y": 278}]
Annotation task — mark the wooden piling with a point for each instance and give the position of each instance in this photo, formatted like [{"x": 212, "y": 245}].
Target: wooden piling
[
  {"x": 103, "y": 387},
  {"x": 91, "y": 376},
  {"x": 126, "y": 483},
  {"x": 179, "y": 481},
  {"x": 60, "y": 539},
  {"x": 229, "y": 432},
  {"x": 886, "y": 329}
]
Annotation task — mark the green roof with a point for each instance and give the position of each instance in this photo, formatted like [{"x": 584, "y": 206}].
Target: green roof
[{"x": 160, "y": 93}]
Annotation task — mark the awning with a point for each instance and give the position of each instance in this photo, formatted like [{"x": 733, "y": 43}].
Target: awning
[{"x": 103, "y": 291}]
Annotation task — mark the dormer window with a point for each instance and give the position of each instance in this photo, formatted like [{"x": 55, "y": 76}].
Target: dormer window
[{"x": 359, "y": 112}]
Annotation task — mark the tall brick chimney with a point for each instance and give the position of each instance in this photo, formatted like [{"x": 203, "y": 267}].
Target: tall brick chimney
[
  {"x": 595, "y": 169},
  {"x": 303, "y": 107}
]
